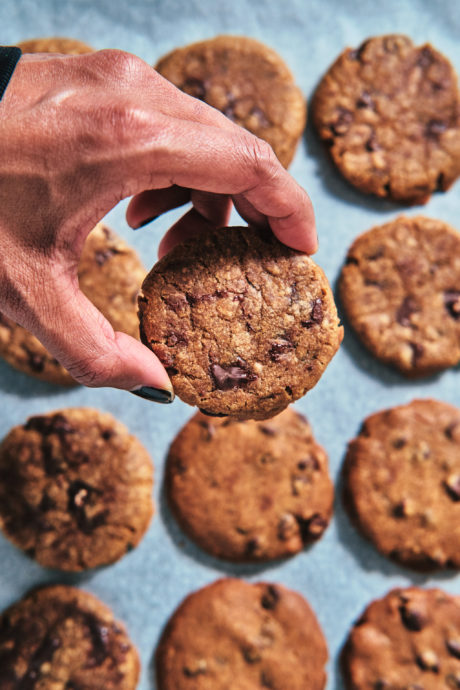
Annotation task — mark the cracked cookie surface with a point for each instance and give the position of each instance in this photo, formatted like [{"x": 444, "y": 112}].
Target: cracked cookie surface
[
  {"x": 400, "y": 288},
  {"x": 389, "y": 112},
  {"x": 248, "y": 82},
  {"x": 55, "y": 44},
  {"x": 63, "y": 638},
  {"x": 75, "y": 489},
  {"x": 110, "y": 274},
  {"x": 243, "y": 324},
  {"x": 402, "y": 483},
  {"x": 251, "y": 636},
  {"x": 249, "y": 491},
  {"x": 408, "y": 640}
]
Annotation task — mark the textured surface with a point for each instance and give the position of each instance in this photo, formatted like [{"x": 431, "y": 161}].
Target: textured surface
[
  {"x": 110, "y": 275},
  {"x": 243, "y": 324},
  {"x": 402, "y": 483},
  {"x": 250, "y": 491},
  {"x": 75, "y": 488},
  {"x": 62, "y": 638},
  {"x": 400, "y": 288},
  {"x": 409, "y": 640},
  {"x": 389, "y": 111},
  {"x": 251, "y": 637},
  {"x": 248, "y": 82},
  {"x": 55, "y": 44}
]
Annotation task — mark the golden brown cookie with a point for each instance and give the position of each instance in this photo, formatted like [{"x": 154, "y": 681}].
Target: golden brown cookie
[
  {"x": 408, "y": 640},
  {"x": 389, "y": 112},
  {"x": 248, "y": 82},
  {"x": 62, "y": 638},
  {"x": 400, "y": 288},
  {"x": 249, "y": 491},
  {"x": 55, "y": 44},
  {"x": 232, "y": 634},
  {"x": 244, "y": 324},
  {"x": 110, "y": 274},
  {"x": 75, "y": 489},
  {"x": 402, "y": 483}
]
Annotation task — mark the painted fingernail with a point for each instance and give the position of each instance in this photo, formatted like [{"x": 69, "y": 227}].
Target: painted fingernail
[
  {"x": 146, "y": 222},
  {"x": 158, "y": 395}
]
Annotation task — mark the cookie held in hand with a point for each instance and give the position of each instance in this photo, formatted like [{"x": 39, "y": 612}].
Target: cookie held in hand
[{"x": 243, "y": 324}]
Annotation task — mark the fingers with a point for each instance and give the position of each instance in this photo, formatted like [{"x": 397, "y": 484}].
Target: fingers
[{"x": 148, "y": 205}]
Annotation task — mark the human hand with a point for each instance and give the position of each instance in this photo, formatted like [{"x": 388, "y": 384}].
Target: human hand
[{"x": 77, "y": 135}]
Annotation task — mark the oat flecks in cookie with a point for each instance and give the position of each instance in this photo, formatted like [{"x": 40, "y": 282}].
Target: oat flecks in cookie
[
  {"x": 402, "y": 483},
  {"x": 400, "y": 288},
  {"x": 110, "y": 274},
  {"x": 408, "y": 639},
  {"x": 248, "y": 82},
  {"x": 249, "y": 491},
  {"x": 243, "y": 324},
  {"x": 389, "y": 113},
  {"x": 55, "y": 44},
  {"x": 75, "y": 489},
  {"x": 63, "y": 637},
  {"x": 250, "y": 635}
]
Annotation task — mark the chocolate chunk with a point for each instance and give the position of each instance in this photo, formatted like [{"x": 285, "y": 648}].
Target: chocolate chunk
[
  {"x": 311, "y": 527},
  {"x": 452, "y": 486},
  {"x": 453, "y": 647},
  {"x": 357, "y": 53},
  {"x": 279, "y": 349},
  {"x": 452, "y": 303},
  {"x": 449, "y": 431},
  {"x": 417, "y": 352},
  {"x": 176, "y": 339},
  {"x": 36, "y": 362},
  {"x": 425, "y": 58},
  {"x": 43, "y": 654},
  {"x": 199, "y": 667},
  {"x": 252, "y": 654},
  {"x": 317, "y": 314},
  {"x": 351, "y": 260},
  {"x": 231, "y": 377},
  {"x": 270, "y": 598},
  {"x": 57, "y": 424},
  {"x": 195, "y": 87},
  {"x": 252, "y": 546},
  {"x": 412, "y": 618},
  {"x": 107, "y": 434},
  {"x": 399, "y": 443},
  {"x": 434, "y": 128},
  {"x": 365, "y": 100},
  {"x": 428, "y": 661},
  {"x": 407, "y": 307},
  {"x": 99, "y": 635},
  {"x": 81, "y": 495},
  {"x": 310, "y": 463},
  {"x": 372, "y": 143},
  {"x": 342, "y": 122}
]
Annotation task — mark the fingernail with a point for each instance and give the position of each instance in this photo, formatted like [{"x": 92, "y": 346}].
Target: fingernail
[
  {"x": 146, "y": 222},
  {"x": 158, "y": 395}
]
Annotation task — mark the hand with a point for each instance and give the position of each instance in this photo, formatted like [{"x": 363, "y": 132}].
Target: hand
[{"x": 77, "y": 135}]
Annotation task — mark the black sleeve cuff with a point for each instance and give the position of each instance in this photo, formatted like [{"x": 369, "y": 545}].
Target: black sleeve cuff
[{"x": 9, "y": 56}]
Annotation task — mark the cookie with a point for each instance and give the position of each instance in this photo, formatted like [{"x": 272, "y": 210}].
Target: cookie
[
  {"x": 400, "y": 288},
  {"x": 249, "y": 491},
  {"x": 251, "y": 636},
  {"x": 110, "y": 275},
  {"x": 243, "y": 324},
  {"x": 409, "y": 640},
  {"x": 248, "y": 82},
  {"x": 402, "y": 483},
  {"x": 389, "y": 113},
  {"x": 75, "y": 489},
  {"x": 62, "y": 637},
  {"x": 55, "y": 44}
]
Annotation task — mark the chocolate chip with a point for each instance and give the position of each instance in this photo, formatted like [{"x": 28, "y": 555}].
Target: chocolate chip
[
  {"x": 314, "y": 526},
  {"x": 36, "y": 362},
  {"x": 317, "y": 314},
  {"x": 434, "y": 128},
  {"x": 279, "y": 349},
  {"x": 351, "y": 260},
  {"x": 342, "y": 121},
  {"x": 251, "y": 654},
  {"x": 310, "y": 463},
  {"x": 104, "y": 255},
  {"x": 107, "y": 434},
  {"x": 175, "y": 338},
  {"x": 425, "y": 58},
  {"x": 417, "y": 352},
  {"x": 452, "y": 303},
  {"x": 231, "y": 377},
  {"x": 372, "y": 143},
  {"x": 412, "y": 618},
  {"x": 99, "y": 635},
  {"x": 399, "y": 443},
  {"x": 453, "y": 647},
  {"x": 252, "y": 546},
  {"x": 56, "y": 424},
  {"x": 270, "y": 597},
  {"x": 407, "y": 307},
  {"x": 195, "y": 87},
  {"x": 452, "y": 486},
  {"x": 365, "y": 100},
  {"x": 449, "y": 431},
  {"x": 80, "y": 494}
]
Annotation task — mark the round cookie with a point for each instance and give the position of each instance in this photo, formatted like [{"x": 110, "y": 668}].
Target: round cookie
[
  {"x": 55, "y": 44},
  {"x": 251, "y": 636},
  {"x": 389, "y": 113},
  {"x": 110, "y": 275},
  {"x": 409, "y": 640},
  {"x": 243, "y": 324},
  {"x": 249, "y": 491},
  {"x": 248, "y": 82},
  {"x": 60, "y": 638},
  {"x": 75, "y": 489},
  {"x": 402, "y": 483},
  {"x": 400, "y": 288}
]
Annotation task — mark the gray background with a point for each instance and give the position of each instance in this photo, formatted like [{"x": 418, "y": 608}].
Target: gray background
[{"x": 341, "y": 573}]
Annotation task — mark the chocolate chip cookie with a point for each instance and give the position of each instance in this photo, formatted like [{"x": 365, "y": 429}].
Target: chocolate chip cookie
[
  {"x": 75, "y": 489},
  {"x": 110, "y": 275},
  {"x": 402, "y": 483},
  {"x": 409, "y": 640},
  {"x": 243, "y": 324},
  {"x": 232, "y": 634},
  {"x": 55, "y": 44},
  {"x": 62, "y": 637},
  {"x": 248, "y": 82},
  {"x": 400, "y": 288},
  {"x": 389, "y": 112},
  {"x": 249, "y": 491}
]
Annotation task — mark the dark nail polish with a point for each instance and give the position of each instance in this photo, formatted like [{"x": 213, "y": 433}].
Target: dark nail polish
[
  {"x": 154, "y": 394},
  {"x": 146, "y": 222}
]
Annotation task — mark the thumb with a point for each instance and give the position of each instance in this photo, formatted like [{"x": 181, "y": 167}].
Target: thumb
[{"x": 84, "y": 342}]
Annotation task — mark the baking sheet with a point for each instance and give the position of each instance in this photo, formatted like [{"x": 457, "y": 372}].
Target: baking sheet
[{"x": 340, "y": 574}]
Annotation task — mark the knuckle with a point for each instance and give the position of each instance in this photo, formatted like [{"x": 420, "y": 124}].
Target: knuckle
[
  {"x": 93, "y": 374},
  {"x": 122, "y": 66},
  {"x": 261, "y": 159}
]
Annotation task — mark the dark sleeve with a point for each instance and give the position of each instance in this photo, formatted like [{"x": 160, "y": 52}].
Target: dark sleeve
[{"x": 9, "y": 56}]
